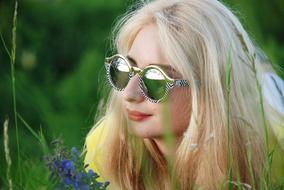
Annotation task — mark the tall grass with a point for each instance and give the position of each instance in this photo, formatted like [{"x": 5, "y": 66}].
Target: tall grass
[
  {"x": 7, "y": 155},
  {"x": 228, "y": 91},
  {"x": 13, "y": 77},
  {"x": 38, "y": 136},
  {"x": 33, "y": 175},
  {"x": 12, "y": 56},
  {"x": 252, "y": 65}
]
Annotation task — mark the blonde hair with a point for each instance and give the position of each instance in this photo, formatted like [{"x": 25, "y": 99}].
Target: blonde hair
[{"x": 206, "y": 42}]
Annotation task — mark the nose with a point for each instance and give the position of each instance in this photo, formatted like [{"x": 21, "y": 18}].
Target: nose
[{"x": 132, "y": 92}]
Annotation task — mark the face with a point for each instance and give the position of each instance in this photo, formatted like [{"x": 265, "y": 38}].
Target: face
[{"x": 147, "y": 119}]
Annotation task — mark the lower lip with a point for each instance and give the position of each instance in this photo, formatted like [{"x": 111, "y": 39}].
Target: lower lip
[{"x": 138, "y": 118}]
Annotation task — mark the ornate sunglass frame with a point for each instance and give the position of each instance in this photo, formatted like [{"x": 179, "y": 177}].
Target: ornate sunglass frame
[{"x": 170, "y": 82}]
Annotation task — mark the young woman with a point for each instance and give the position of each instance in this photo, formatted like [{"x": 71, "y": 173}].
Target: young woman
[{"x": 185, "y": 111}]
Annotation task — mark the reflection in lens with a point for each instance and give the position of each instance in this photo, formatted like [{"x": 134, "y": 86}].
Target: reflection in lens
[
  {"x": 119, "y": 72},
  {"x": 155, "y": 83}
]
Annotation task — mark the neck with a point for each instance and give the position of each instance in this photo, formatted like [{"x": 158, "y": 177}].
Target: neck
[{"x": 168, "y": 149}]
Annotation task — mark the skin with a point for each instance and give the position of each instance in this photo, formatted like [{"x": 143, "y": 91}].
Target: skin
[{"x": 146, "y": 50}]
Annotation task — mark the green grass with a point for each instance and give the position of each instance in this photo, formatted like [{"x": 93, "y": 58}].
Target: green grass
[
  {"x": 12, "y": 56},
  {"x": 31, "y": 173}
]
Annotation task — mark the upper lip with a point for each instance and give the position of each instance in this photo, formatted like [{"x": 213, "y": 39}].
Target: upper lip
[{"x": 137, "y": 113}]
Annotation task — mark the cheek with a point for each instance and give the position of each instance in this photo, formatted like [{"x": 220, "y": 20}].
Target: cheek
[{"x": 180, "y": 105}]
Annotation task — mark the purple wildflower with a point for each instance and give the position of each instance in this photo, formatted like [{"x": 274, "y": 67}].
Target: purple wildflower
[{"x": 68, "y": 171}]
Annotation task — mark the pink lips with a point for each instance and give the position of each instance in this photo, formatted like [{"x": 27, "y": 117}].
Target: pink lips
[{"x": 137, "y": 116}]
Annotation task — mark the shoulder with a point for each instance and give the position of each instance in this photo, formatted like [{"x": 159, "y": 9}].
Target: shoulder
[
  {"x": 273, "y": 91},
  {"x": 94, "y": 147},
  {"x": 96, "y": 135}
]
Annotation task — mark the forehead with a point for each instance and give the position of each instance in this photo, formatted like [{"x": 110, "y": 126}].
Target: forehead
[{"x": 146, "y": 47}]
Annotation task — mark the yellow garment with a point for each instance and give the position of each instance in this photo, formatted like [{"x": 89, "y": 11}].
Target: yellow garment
[
  {"x": 95, "y": 140},
  {"x": 279, "y": 133},
  {"x": 94, "y": 147},
  {"x": 276, "y": 142}
]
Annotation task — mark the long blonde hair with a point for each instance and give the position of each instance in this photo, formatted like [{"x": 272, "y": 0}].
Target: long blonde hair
[{"x": 204, "y": 41}]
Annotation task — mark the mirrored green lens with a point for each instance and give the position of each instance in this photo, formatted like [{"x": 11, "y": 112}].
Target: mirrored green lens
[
  {"x": 155, "y": 83},
  {"x": 119, "y": 73}
]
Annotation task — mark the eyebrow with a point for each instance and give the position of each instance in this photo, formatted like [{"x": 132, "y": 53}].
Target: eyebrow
[
  {"x": 132, "y": 60},
  {"x": 167, "y": 67}
]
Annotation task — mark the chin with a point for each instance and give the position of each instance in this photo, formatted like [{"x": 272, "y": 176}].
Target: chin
[{"x": 144, "y": 131}]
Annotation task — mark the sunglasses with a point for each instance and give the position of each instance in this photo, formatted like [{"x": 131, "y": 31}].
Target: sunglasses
[{"x": 154, "y": 83}]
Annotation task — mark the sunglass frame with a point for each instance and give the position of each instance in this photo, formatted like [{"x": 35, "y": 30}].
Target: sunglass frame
[{"x": 170, "y": 82}]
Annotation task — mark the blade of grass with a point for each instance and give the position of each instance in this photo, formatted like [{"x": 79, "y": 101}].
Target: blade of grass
[
  {"x": 4, "y": 44},
  {"x": 169, "y": 140},
  {"x": 252, "y": 59},
  {"x": 40, "y": 137},
  {"x": 43, "y": 142},
  {"x": 12, "y": 64},
  {"x": 228, "y": 90},
  {"x": 7, "y": 155},
  {"x": 249, "y": 157}
]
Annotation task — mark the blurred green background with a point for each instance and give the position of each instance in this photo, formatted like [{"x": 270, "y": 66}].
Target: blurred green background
[{"x": 61, "y": 45}]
